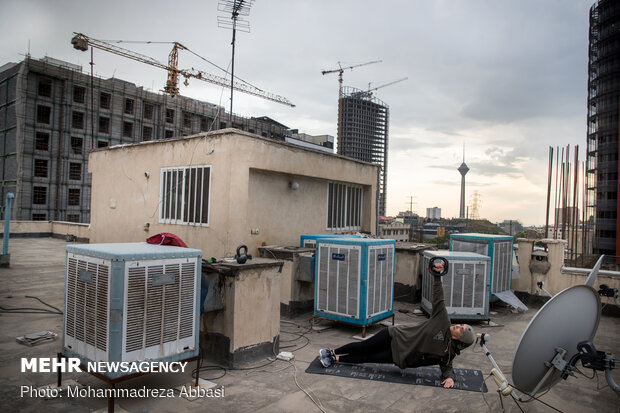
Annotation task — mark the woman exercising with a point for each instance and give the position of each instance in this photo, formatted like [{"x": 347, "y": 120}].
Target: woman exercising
[{"x": 435, "y": 341}]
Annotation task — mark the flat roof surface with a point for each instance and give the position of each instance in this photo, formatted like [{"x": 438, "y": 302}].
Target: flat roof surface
[{"x": 37, "y": 268}]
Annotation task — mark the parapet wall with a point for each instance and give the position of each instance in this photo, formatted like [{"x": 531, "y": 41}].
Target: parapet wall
[
  {"x": 57, "y": 229},
  {"x": 548, "y": 266}
]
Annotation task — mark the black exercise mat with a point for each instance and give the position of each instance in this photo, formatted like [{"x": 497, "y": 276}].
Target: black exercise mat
[{"x": 466, "y": 379}]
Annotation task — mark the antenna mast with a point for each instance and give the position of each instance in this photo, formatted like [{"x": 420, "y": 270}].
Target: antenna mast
[{"x": 236, "y": 8}]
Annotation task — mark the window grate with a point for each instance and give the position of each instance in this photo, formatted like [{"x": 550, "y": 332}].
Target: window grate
[
  {"x": 184, "y": 195},
  {"x": 344, "y": 206}
]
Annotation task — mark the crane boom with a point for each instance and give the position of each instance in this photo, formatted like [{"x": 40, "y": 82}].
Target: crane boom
[
  {"x": 82, "y": 42},
  {"x": 341, "y": 69},
  {"x": 369, "y": 91}
]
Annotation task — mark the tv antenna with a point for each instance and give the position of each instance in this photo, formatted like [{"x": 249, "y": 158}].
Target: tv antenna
[
  {"x": 557, "y": 337},
  {"x": 237, "y": 10}
]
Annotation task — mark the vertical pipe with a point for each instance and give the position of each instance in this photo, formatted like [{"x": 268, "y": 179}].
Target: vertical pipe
[
  {"x": 575, "y": 201},
  {"x": 7, "y": 223},
  {"x": 584, "y": 225},
  {"x": 556, "y": 201},
  {"x": 549, "y": 172}
]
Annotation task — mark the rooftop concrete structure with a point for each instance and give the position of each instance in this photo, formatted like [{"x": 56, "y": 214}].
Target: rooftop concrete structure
[{"x": 37, "y": 266}]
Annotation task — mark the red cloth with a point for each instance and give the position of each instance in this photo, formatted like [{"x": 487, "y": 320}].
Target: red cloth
[{"x": 166, "y": 238}]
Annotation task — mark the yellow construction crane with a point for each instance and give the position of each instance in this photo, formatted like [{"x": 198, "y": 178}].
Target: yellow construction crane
[
  {"x": 82, "y": 42},
  {"x": 341, "y": 70}
]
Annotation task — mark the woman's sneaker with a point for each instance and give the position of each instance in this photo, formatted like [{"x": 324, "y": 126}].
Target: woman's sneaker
[{"x": 327, "y": 357}]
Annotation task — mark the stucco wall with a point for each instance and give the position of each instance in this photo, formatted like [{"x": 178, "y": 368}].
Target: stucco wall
[{"x": 249, "y": 190}]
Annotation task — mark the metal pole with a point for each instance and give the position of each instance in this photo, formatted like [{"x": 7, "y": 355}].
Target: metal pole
[
  {"x": 7, "y": 223},
  {"x": 92, "y": 102},
  {"x": 549, "y": 173},
  {"x": 232, "y": 68}
]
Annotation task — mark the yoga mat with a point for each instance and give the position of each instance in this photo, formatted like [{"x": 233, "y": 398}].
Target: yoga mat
[{"x": 466, "y": 379}]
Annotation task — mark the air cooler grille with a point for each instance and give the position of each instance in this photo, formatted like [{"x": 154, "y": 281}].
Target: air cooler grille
[
  {"x": 380, "y": 282},
  {"x": 339, "y": 280},
  {"x": 159, "y": 312},
  {"x": 87, "y": 302},
  {"x": 502, "y": 257}
]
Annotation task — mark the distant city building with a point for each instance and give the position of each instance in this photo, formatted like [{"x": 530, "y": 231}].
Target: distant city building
[
  {"x": 396, "y": 230},
  {"x": 433, "y": 213},
  {"x": 48, "y": 128},
  {"x": 363, "y": 134},
  {"x": 602, "y": 201},
  {"x": 320, "y": 142},
  {"x": 409, "y": 218},
  {"x": 511, "y": 227}
]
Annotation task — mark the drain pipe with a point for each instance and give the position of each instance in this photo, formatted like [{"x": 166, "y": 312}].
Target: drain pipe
[{"x": 5, "y": 258}]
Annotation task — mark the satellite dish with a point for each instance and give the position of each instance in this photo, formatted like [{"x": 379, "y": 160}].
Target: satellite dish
[
  {"x": 570, "y": 317},
  {"x": 592, "y": 276}
]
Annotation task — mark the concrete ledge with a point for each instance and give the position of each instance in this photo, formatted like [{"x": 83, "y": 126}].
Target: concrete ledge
[
  {"x": 407, "y": 293},
  {"x": 295, "y": 308},
  {"x": 216, "y": 347}
]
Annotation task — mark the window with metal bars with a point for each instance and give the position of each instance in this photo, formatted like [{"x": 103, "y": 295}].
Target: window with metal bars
[
  {"x": 127, "y": 129},
  {"x": 104, "y": 100},
  {"x": 74, "y": 196},
  {"x": 75, "y": 171},
  {"x": 39, "y": 217},
  {"x": 129, "y": 106},
  {"x": 77, "y": 120},
  {"x": 104, "y": 124},
  {"x": 147, "y": 133},
  {"x": 44, "y": 114},
  {"x": 169, "y": 115},
  {"x": 148, "y": 111},
  {"x": 73, "y": 217},
  {"x": 39, "y": 195},
  {"x": 42, "y": 141},
  {"x": 79, "y": 94},
  {"x": 45, "y": 87},
  {"x": 187, "y": 120},
  {"x": 185, "y": 195},
  {"x": 76, "y": 144},
  {"x": 40, "y": 168},
  {"x": 344, "y": 206}
]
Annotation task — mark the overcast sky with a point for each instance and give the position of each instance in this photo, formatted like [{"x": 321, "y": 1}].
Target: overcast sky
[{"x": 506, "y": 78}]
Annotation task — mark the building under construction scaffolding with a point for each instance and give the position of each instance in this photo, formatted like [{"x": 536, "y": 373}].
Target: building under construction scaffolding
[
  {"x": 363, "y": 133},
  {"x": 52, "y": 114},
  {"x": 603, "y": 122}
]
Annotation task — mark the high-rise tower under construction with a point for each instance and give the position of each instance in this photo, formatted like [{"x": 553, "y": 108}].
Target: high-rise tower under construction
[{"x": 363, "y": 133}]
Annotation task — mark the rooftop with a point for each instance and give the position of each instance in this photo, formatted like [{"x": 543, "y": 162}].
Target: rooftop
[{"x": 37, "y": 267}]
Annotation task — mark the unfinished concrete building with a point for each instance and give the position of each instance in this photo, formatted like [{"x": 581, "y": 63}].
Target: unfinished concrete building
[
  {"x": 602, "y": 203},
  {"x": 51, "y": 116},
  {"x": 363, "y": 134}
]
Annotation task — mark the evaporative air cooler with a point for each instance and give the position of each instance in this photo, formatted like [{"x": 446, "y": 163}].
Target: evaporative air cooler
[
  {"x": 309, "y": 240},
  {"x": 354, "y": 280},
  {"x": 131, "y": 302},
  {"x": 496, "y": 247},
  {"x": 465, "y": 286}
]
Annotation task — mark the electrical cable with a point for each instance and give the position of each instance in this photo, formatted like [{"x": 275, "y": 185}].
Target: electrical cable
[
  {"x": 534, "y": 397},
  {"x": 318, "y": 404},
  {"x": 31, "y": 310},
  {"x": 517, "y": 402}
]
